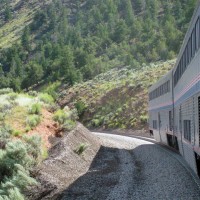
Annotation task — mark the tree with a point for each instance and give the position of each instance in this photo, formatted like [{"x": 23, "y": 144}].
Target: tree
[
  {"x": 121, "y": 31},
  {"x": 26, "y": 38},
  {"x": 129, "y": 13},
  {"x": 7, "y": 13},
  {"x": 34, "y": 73}
]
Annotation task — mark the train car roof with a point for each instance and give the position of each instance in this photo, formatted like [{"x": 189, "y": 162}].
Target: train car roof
[
  {"x": 161, "y": 80},
  {"x": 187, "y": 35}
]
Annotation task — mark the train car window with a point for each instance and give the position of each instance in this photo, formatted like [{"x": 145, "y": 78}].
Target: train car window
[
  {"x": 187, "y": 129},
  {"x": 182, "y": 65},
  {"x": 197, "y": 35},
  {"x": 193, "y": 43},
  {"x": 170, "y": 120},
  {"x": 155, "y": 124},
  {"x": 185, "y": 60},
  {"x": 192, "y": 38},
  {"x": 190, "y": 48},
  {"x": 161, "y": 90},
  {"x": 198, "y": 32},
  {"x": 169, "y": 86},
  {"x": 187, "y": 54}
]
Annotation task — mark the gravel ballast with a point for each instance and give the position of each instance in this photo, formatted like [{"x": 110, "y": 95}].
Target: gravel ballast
[{"x": 130, "y": 168}]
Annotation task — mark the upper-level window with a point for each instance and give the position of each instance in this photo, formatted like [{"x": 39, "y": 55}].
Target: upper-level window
[
  {"x": 191, "y": 48},
  {"x": 159, "y": 91}
]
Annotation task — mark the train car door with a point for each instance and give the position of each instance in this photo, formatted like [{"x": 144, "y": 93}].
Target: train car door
[{"x": 197, "y": 135}]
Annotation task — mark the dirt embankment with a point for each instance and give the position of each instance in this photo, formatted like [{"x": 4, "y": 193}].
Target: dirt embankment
[{"x": 63, "y": 165}]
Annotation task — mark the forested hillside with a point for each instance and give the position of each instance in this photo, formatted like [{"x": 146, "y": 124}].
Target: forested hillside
[{"x": 76, "y": 40}]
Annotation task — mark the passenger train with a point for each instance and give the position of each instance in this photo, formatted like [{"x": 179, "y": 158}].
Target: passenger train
[{"x": 174, "y": 101}]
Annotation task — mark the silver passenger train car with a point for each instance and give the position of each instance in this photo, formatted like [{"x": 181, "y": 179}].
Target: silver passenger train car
[{"x": 174, "y": 101}]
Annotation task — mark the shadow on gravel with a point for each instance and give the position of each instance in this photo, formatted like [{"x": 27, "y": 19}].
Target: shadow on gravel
[
  {"x": 106, "y": 171},
  {"x": 101, "y": 176}
]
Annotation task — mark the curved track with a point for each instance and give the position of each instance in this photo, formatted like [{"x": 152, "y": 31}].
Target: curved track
[{"x": 130, "y": 168}]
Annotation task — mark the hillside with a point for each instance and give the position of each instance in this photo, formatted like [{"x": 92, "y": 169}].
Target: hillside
[
  {"x": 30, "y": 124},
  {"x": 115, "y": 99},
  {"x": 14, "y": 16},
  {"x": 73, "y": 41}
]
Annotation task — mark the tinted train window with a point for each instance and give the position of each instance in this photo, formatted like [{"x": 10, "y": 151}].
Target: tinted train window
[
  {"x": 155, "y": 124},
  {"x": 187, "y": 129},
  {"x": 161, "y": 90},
  {"x": 170, "y": 120},
  {"x": 191, "y": 48}
]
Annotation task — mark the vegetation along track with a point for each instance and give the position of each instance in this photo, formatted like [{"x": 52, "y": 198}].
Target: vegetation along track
[{"x": 130, "y": 168}]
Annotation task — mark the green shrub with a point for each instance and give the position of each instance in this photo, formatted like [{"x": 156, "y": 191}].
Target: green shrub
[
  {"x": 5, "y": 108},
  {"x": 95, "y": 122},
  {"x": 28, "y": 128},
  {"x": 81, "y": 107},
  {"x": 2, "y": 116},
  {"x": 61, "y": 116},
  {"x": 34, "y": 146},
  {"x": 74, "y": 114},
  {"x": 33, "y": 93},
  {"x": 33, "y": 120},
  {"x": 5, "y": 132},
  {"x": 16, "y": 133},
  {"x": 15, "y": 162},
  {"x": 44, "y": 153},
  {"x": 143, "y": 118},
  {"x": 6, "y": 91},
  {"x": 12, "y": 96},
  {"x": 69, "y": 125},
  {"x": 46, "y": 98},
  {"x": 81, "y": 149},
  {"x": 35, "y": 109},
  {"x": 52, "y": 89}
]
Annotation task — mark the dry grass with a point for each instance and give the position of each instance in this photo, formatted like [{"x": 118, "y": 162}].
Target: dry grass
[{"x": 17, "y": 118}]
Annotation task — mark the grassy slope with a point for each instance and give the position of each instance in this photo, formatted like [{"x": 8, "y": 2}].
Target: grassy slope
[
  {"x": 116, "y": 99},
  {"x": 22, "y": 15}
]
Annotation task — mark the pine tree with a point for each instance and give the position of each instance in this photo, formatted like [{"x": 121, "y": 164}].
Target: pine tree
[
  {"x": 7, "y": 13},
  {"x": 26, "y": 39}
]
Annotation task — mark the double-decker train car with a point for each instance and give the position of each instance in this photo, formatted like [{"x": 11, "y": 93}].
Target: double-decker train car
[
  {"x": 161, "y": 109},
  {"x": 174, "y": 113}
]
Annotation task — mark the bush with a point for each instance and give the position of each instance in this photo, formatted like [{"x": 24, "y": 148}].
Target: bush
[
  {"x": 35, "y": 109},
  {"x": 28, "y": 128},
  {"x": 96, "y": 122},
  {"x": 5, "y": 108},
  {"x": 13, "y": 193},
  {"x": 69, "y": 125},
  {"x": 52, "y": 89},
  {"x": 16, "y": 160},
  {"x": 33, "y": 93},
  {"x": 81, "y": 149},
  {"x": 16, "y": 133},
  {"x": 34, "y": 146},
  {"x": 2, "y": 116},
  {"x": 5, "y": 132},
  {"x": 12, "y": 96},
  {"x": 46, "y": 98},
  {"x": 74, "y": 114},
  {"x": 81, "y": 107},
  {"x": 6, "y": 91},
  {"x": 61, "y": 116},
  {"x": 143, "y": 118},
  {"x": 33, "y": 120}
]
